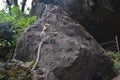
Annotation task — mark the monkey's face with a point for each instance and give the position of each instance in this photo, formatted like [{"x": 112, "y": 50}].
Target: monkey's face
[{"x": 46, "y": 28}]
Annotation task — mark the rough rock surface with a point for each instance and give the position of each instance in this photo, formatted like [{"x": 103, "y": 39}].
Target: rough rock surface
[
  {"x": 73, "y": 54},
  {"x": 100, "y": 17}
]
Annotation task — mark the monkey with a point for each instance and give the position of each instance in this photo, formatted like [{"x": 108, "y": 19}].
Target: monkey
[
  {"x": 46, "y": 29},
  {"x": 44, "y": 37}
]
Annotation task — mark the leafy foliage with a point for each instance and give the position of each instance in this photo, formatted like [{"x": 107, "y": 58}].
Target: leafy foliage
[
  {"x": 19, "y": 20},
  {"x": 116, "y": 58},
  {"x": 116, "y": 65},
  {"x": 13, "y": 72}
]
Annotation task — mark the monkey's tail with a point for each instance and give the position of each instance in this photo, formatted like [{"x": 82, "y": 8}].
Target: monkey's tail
[{"x": 38, "y": 55}]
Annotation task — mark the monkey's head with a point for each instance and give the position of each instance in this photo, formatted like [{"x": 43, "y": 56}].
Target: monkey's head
[{"x": 46, "y": 27}]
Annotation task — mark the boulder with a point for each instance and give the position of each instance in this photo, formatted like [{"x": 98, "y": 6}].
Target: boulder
[{"x": 71, "y": 54}]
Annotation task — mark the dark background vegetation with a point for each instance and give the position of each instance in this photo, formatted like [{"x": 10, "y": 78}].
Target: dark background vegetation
[{"x": 13, "y": 21}]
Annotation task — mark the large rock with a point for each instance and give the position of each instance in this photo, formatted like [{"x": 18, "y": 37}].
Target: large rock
[{"x": 73, "y": 54}]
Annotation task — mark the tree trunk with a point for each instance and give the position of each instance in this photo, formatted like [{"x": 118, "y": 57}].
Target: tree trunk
[
  {"x": 8, "y": 2},
  {"x": 16, "y": 2},
  {"x": 37, "y": 8},
  {"x": 33, "y": 6},
  {"x": 9, "y": 5},
  {"x": 23, "y": 5}
]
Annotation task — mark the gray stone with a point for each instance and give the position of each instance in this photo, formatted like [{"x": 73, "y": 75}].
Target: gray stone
[{"x": 73, "y": 54}]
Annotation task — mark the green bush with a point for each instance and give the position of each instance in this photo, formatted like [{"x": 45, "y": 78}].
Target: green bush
[
  {"x": 116, "y": 58},
  {"x": 19, "y": 20},
  {"x": 116, "y": 65}
]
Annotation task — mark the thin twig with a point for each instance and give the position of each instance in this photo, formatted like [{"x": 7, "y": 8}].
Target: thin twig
[{"x": 117, "y": 44}]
